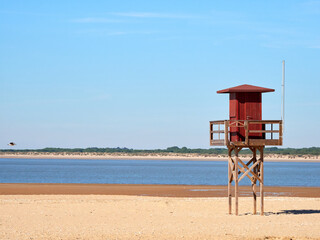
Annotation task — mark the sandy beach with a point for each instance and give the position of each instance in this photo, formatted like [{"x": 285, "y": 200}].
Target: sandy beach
[
  {"x": 111, "y": 211},
  {"x": 159, "y": 120},
  {"x": 140, "y": 217}
]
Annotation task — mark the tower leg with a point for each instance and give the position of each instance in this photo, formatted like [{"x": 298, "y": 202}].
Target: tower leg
[
  {"x": 254, "y": 184},
  {"x": 236, "y": 180},
  {"x": 229, "y": 180},
  {"x": 253, "y": 172},
  {"x": 261, "y": 183}
]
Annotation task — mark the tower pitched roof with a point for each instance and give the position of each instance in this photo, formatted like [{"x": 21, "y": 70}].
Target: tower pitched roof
[{"x": 246, "y": 88}]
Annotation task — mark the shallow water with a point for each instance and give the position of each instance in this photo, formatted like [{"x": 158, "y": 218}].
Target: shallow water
[{"x": 149, "y": 172}]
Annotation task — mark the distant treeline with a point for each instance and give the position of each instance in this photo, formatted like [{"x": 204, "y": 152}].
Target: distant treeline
[{"x": 213, "y": 151}]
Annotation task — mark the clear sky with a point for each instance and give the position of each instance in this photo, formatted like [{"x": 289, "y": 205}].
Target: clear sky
[{"x": 144, "y": 74}]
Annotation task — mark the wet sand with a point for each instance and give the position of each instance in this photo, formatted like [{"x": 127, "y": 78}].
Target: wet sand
[{"x": 148, "y": 190}]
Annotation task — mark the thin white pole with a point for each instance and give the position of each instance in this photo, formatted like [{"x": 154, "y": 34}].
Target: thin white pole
[{"x": 282, "y": 99}]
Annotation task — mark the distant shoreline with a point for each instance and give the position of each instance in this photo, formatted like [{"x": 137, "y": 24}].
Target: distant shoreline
[{"x": 168, "y": 156}]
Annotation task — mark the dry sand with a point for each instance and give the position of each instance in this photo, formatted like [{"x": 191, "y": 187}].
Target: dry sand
[
  {"x": 69, "y": 212},
  {"x": 140, "y": 217}
]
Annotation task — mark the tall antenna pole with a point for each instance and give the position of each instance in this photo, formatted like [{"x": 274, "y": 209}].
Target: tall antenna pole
[{"x": 282, "y": 100}]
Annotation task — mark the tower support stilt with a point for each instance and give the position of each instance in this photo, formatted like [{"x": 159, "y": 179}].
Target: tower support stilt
[
  {"x": 238, "y": 169},
  {"x": 230, "y": 177},
  {"x": 261, "y": 182}
]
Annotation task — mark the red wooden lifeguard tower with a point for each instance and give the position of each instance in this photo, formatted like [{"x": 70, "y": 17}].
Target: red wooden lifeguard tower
[{"x": 245, "y": 129}]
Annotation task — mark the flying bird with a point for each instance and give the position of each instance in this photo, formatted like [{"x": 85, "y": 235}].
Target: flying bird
[{"x": 12, "y": 144}]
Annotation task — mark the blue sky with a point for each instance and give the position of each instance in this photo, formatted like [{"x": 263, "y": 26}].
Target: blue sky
[{"x": 144, "y": 74}]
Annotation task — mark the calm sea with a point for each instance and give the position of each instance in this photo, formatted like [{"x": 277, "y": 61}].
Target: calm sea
[{"x": 148, "y": 172}]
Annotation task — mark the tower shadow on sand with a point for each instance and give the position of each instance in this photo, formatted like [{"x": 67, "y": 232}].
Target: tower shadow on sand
[{"x": 294, "y": 212}]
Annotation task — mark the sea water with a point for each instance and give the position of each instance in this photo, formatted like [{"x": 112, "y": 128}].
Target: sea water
[{"x": 149, "y": 172}]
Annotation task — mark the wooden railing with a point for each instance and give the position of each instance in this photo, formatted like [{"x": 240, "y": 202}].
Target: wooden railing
[{"x": 220, "y": 132}]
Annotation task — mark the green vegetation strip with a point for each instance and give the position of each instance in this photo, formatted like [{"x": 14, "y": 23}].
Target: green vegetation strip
[{"x": 213, "y": 151}]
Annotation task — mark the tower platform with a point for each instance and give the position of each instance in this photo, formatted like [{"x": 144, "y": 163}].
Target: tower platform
[{"x": 222, "y": 132}]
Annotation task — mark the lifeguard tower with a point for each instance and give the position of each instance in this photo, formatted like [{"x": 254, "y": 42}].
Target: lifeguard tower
[{"x": 245, "y": 129}]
